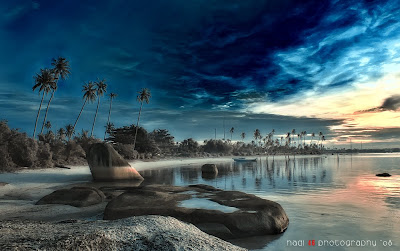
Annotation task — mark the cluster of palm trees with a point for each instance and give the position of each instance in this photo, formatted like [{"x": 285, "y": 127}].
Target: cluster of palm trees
[
  {"x": 288, "y": 140},
  {"x": 46, "y": 81}
]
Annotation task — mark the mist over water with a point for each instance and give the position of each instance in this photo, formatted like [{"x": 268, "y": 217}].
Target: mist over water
[{"x": 326, "y": 197}]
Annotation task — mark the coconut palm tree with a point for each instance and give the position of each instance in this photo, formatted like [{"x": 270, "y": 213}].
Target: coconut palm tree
[
  {"x": 304, "y": 138},
  {"x": 69, "y": 131},
  {"x": 243, "y": 135},
  {"x": 312, "y": 137},
  {"x": 48, "y": 125},
  {"x": 293, "y": 134},
  {"x": 89, "y": 94},
  {"x": 61, "y": 134},
  {"x": 319, "y": 137},
  {"x": 112, "y": 96},
  {"x": 144, "y": 96},
  {"x": 43, "y": 81},
  {"x": 60, "y": 69},
  {"x": 231, "y": 131},
  {"x": 101, "y": 88},
  {"x": 257, "y": 135},
  {"x": 322, "y": 140}
]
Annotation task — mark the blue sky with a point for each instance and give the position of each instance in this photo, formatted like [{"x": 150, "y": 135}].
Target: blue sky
[{"x": 330, "y": 66}]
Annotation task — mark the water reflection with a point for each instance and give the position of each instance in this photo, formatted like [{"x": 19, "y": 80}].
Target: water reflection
[{"x": 325, "y": 197}]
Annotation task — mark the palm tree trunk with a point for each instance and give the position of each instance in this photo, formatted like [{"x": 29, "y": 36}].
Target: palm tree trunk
[
  {"x": 95, "y": 115},
  {"x": 137, "y": 125},
  {"x": 84, "y": 103},
  {"x": 47, "y": 109},
  {"x": 108, "y": 120},
  {"x": 37, "y": 116}
]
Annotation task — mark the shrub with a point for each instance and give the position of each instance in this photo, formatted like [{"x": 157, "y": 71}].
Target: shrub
[
  {"x": 22, "y": 149},
  {"x": 44, "y": 156}
]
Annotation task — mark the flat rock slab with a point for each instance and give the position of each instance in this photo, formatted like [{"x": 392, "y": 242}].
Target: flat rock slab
[
  {"x": 136, "y": 233},
  {"x": 232, "y": 214},
  {"x": 76, "y": 196}
]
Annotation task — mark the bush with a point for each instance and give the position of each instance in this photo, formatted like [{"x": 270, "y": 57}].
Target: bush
[
  {"x": 44, "y": 156},
  {"x": 126, "y": 151},
  {"x": 22, "y": 149},
  {"x": 6, "y": 163}
]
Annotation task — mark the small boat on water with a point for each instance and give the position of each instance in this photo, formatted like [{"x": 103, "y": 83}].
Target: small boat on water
[{"x": 244, "y": 159}]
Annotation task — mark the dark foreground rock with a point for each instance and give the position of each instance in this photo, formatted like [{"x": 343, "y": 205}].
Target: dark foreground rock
[
  {"x": 136, "y": 233},
  {"x": 3, "y": 184},
  {"x": 106, "y": 164},
  {"x": 383, "y": 175},
  {"x": 247, "y": 215},
  {"x": 76, "y": 196}
]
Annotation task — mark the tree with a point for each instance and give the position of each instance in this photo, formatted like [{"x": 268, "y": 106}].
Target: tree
[
  {"x": 69, "y": 131},
  {"x": 243, "y": 135},
  {"x": 144, "y": 96},
  {"x": 61, "y": 134},
  {"x": 257, "y": 135},
  {"x": 312, "y": 137},
  {"x": 48, "y": 125},
  {"x": 232, "y": 131},
  {"x": 89, "y": 94},
  {"x": 112, "y": 96},
  {"x": 60, "y": 69},
  {"x": 101, "y": 88},
  {"x": 43, "y": 81},
  {"x": 293, "y": 134}
]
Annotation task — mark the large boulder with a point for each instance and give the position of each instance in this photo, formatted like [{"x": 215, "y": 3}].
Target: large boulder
[
  {"x": 136, "y": 233},
  {"x": 76, "y": 196},
  {"x": 232, "y": 214},
  {"x": 106, "y": 164},
  {"x": 383, "y": 175}
]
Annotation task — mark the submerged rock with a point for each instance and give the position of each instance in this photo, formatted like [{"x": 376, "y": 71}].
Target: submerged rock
[
  {"x": 136, "y": 233},
  {"x": 254, "y": 216},
  {"x": 106, "y": 164},
  {"x": 383, "y": 175},
  {"x": 209, "y": 168},
  {"x": 76, "y": 196}
]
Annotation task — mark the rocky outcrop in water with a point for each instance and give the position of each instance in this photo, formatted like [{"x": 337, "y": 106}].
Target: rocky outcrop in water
[
  {"x": 383, "y": 175},
  {"x": 209, "y": 168},
  {"x": 136, "y": 233},
  {"x": 106, "y": 164},
  {"x": 76, "y": 196},
  {"x": 247, "y": 215}
]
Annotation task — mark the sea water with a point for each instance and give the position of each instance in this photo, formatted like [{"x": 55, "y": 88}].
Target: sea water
[{"x": 334, "y": 202}]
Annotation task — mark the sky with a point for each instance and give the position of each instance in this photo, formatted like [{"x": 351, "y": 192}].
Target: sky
[{"x": 316, "y": 66}]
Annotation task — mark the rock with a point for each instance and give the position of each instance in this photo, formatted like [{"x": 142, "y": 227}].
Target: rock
[
  {"x": 249, "y": 215},
  {"x": 135, "y": 233},
  {"x": 76, "y": 196},
  {"x": 3, "y": 184},
  {"x": 209, "y": 168},
  {"x": 383, "y": 175},
  {"x": 106, "y": 164}
]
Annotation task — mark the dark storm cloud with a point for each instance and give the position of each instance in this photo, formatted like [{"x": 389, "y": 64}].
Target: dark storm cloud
[{"x": 391, "y": 103}]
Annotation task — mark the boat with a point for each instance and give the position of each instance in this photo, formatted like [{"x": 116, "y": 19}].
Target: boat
[{"x": 245, "y": 159}]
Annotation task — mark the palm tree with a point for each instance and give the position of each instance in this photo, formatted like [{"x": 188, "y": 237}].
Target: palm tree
[
  {"x": 60, "y": 69},
  {"x": 69, "y": 131},
  {"x": 144, "y": 96},
  {"x": 89, "y": 94},
  {"x": 48, "y": 125},
  {"x": 257, "y": 136},
  {"x": 61, "y": 134},
  {"x": 322, "y": 140},
  {"x": 319, "y": 137},
  {"x": 43, "y": 81},
  {"x": 231, "y": 131},
  {"x": 101, "y": 88},
  {"x": 109, "y": 127},
  {"x": 112, "y": 95},
  {"x": 293, "y": 134},
  {"x": 243, "y": 135},
  {"x": 304, "y": 138},
  {"x": 312, "y": 137}
]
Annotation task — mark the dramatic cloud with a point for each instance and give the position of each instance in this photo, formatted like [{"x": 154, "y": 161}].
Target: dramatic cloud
[
  {"x": 390, "y": 104},
  {"x": 293, "y": 59}
]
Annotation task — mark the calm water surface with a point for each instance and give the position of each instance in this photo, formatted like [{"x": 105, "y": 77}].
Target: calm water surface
[{"x": 326, "y": 197}]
